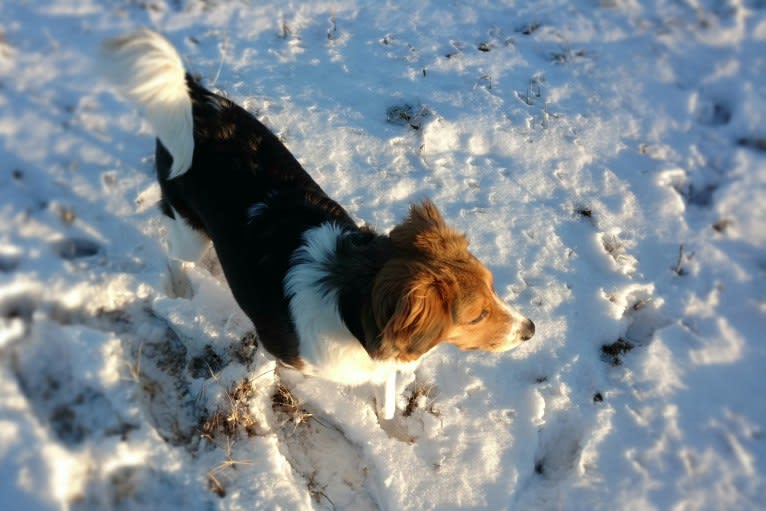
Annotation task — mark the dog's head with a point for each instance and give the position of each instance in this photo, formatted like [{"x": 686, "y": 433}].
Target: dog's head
[{"x": 434, "y": 290}]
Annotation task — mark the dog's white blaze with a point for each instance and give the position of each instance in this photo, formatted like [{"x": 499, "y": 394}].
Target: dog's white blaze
[
  {"x": 146, "y": 69},
  {"x": 327, "y": 347},
  {"x": 513, "y": 339}
]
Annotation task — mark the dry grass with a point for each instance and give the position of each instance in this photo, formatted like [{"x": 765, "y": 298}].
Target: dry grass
[
  {"x": 234, "y": 417},
  {"x": 134, "y": 366},
  {"x": 245, "y": 350},
  {"x": 613, "y": 352},
  {"x": 283, "y": 401},
  {"x": 216, "y": 474},
  {"x": 317, "y": 490},
  {"x": 422, "y": 397},
  {"x": 408, "y": 115},
  {"x": 225, "y": 426},
  {"x": 683, "y": 257}
]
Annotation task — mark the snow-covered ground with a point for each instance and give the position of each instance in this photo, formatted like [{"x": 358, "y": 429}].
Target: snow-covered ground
[{"x": 606, "y": 158}]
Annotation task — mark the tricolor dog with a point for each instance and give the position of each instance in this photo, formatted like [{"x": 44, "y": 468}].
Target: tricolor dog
[{"x": 327, "y": 297}]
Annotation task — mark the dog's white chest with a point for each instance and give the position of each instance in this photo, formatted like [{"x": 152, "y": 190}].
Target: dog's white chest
[
  {"x": 335, "y": 355},
  {"x": 327, "y": 347}
]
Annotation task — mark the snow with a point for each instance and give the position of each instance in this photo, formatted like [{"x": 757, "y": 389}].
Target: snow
[{"x": 607, "y": 160}]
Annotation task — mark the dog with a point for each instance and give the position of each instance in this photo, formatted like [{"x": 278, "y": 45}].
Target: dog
[{"x": 326, "y": 296}]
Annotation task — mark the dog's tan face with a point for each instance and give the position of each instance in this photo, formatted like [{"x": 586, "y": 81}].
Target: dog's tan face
[{"x": 436, "y": 291}]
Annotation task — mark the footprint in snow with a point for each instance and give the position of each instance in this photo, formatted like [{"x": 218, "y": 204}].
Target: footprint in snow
[
  {"x": 617, "y": 248},
  {"x": 54, "y": 367},
  {"x": 75, "y": 248},
  {"x": 137, "y": 487},
  {"x": 311, "y": 441},
  {"x": 643, "y": 313},
  {"x": 712, "y": 111},
  {"x": 9, "y": 262},
  {"x": 51, "y": 369}
]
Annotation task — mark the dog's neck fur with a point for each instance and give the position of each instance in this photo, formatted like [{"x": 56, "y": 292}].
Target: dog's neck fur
[{"x": 358, "y": 259}]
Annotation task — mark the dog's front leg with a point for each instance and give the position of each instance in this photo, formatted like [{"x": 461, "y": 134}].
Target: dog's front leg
[{"x": 389, "y": 397}]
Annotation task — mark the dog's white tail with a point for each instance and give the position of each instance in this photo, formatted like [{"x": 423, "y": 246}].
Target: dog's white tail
[{"x": 147, "y": 70}]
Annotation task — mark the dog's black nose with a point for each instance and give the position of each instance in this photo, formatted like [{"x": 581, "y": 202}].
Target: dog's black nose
[{"x": 527, "y": 330}]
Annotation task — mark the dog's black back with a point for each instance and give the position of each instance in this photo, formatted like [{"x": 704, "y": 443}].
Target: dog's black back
[{"x": 239, "y": 163}]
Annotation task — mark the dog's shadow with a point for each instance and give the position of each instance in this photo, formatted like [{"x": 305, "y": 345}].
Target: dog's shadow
[{"x": 57, "y": 347}]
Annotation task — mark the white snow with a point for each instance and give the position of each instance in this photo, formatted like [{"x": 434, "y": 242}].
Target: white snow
[{"x": 607, "y": 160}]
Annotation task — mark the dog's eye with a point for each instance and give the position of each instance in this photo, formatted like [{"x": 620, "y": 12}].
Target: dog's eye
[{"x": 480, "y": 317}]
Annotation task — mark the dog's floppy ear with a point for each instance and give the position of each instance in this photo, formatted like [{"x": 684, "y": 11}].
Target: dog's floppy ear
[
  {"x": 411, "y": 306},
  {"x": 424, "y": 230}
]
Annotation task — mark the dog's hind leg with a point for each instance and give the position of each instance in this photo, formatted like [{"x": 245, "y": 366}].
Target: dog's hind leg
[{"x": 185, "y": 245}]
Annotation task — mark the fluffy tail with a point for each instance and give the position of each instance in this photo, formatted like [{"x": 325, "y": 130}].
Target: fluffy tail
[{"x": 147, "y": 70}]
